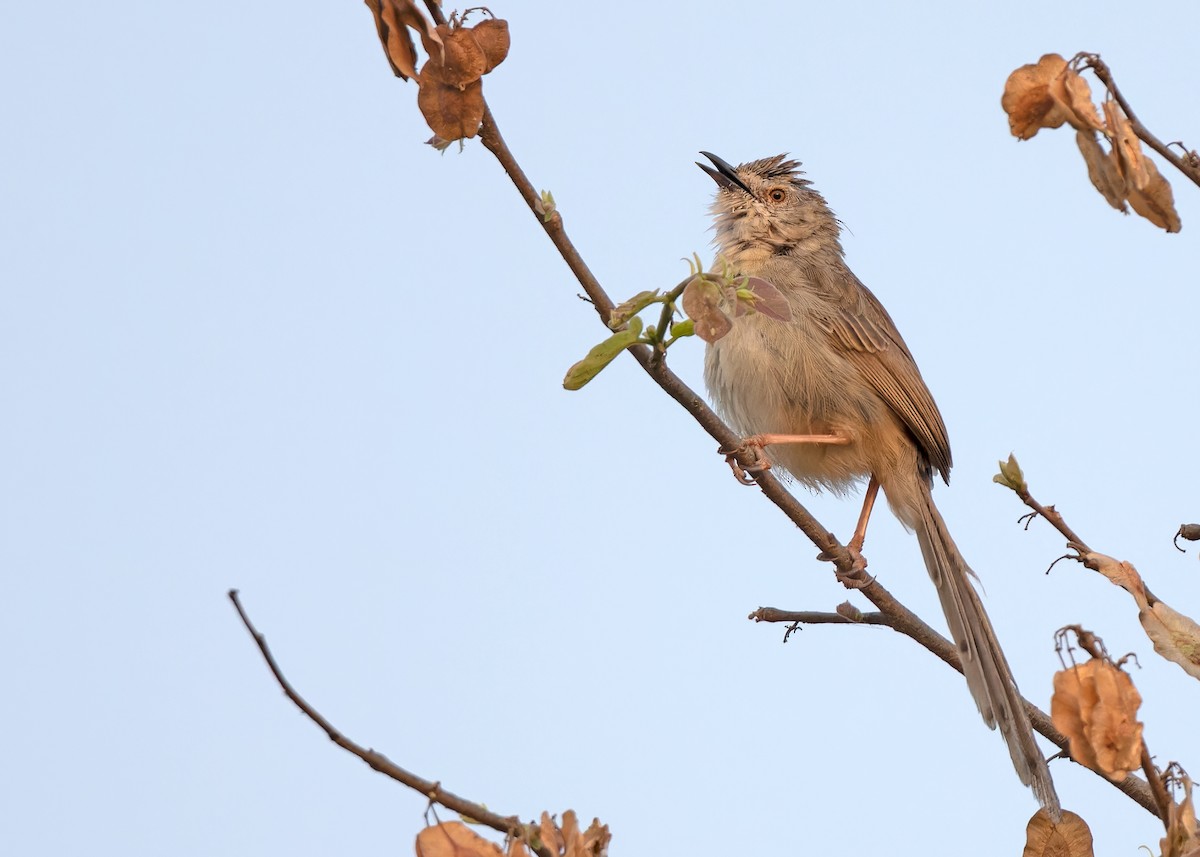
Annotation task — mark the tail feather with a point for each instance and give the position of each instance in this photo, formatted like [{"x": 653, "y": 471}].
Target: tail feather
[{"x": 986, "y": 669}]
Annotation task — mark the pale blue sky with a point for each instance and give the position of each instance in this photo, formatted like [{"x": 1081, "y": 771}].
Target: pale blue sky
[{"x": 256, "y": 335}]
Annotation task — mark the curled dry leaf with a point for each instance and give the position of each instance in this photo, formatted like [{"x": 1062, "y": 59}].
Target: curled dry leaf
[
  {"x": 1156, "y": 201},
  {"x": 1102, "y": 170},
  {"x": 1095, "y": 705},
  {"x": 1069, "y": 837},
  {"x": 464, "y": 62},
  {"x": 393, "y": 19},
  {"x": 454, "y": 839},
  {"x": 492, "y": 36},
  {"x": 1027, "y": 98},
  {"x": 1126, "y": 146},
  {"x": 1182, "y": 839},
  {"x": 1175, "y": 636},
  {"x": 569, "y": 841},
  {"x": 1073, "y": 91},
  {"x": 451, "y": 112}
]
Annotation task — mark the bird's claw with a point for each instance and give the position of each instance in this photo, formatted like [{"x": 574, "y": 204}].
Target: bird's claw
[
  {"x": 854, "y": 577},
  {"x": 749, "y": 448}
]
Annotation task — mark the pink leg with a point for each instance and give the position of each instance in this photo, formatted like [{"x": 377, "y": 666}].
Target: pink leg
[
  {"x": 766, "y": 439},
  {"x": 762, "y": 463},
  {"x": 860, "y": 530}
]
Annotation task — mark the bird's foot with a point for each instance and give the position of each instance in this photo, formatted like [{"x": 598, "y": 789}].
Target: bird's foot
[
  {"x": 750, "y": 448},
  {"x": 854, "y": 577}
]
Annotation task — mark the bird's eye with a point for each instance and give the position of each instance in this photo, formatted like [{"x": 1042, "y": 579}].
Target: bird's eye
[{"x": 776, "y": 194}]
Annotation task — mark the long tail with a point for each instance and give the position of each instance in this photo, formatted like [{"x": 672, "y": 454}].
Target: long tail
[{"x": 986, "y": 669}]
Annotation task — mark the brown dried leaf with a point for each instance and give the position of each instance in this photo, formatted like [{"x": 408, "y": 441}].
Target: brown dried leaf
[
  {"x": 1095, "y": 705},
  {"x": 552, "y": 838},
  {"x": 1155, "y": 201},
  {"x": 1069, "y": 837},
  {"x": 1176, "y": 637},
  {"x": 393, "y": 18},
  {"x": 1126, "y": 146},
  {"x": 451, "y": 112},
  {"x": 702, "y": 300},
  {"x": 464, "y": 62},
  {"x": 517, "y": 848},
  {"x": 1122, "y": 573},
  {"x": 454, "y": 839},
  {"x": 1028, "y": 100},
  {"x": 1073, "y": 91},
  {"x": 493, "y": 39},
  {"x": 1182, "y": 839},
  {"x": 1102, "y": 170}
]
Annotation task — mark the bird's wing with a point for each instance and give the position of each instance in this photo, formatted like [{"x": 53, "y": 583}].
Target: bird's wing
[{"x": 870, "y": 340}]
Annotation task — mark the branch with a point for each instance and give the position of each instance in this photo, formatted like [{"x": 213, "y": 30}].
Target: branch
[
  {"x": 1186, "y": 165},
  {"x": 912, "y": 626},
  {"x": 892, "y": 612},
  {"x": 509, "y": 825}
]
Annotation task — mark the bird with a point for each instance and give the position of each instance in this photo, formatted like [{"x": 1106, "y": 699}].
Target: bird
[{"x": 833, "y": 396}]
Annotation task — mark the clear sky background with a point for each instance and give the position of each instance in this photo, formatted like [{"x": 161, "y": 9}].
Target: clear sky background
[{"x": 255, "y": 334}]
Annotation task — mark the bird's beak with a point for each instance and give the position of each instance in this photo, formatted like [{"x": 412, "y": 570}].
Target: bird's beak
[{"x": 724, "y": 174}]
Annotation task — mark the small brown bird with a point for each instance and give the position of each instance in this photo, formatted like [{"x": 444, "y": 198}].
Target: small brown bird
[{"x": 836, "y": 395}]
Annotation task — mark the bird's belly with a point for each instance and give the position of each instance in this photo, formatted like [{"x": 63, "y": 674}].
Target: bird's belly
[{"x": 771, "y": 377}]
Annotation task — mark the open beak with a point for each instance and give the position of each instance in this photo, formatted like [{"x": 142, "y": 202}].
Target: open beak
[{"x": 724, "y": 174}]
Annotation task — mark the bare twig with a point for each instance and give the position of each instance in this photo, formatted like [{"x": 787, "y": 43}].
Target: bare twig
[
  {"x": 1184, "y": 164},
  {"x": 1134, "y": 788},
  {"x": 509, "y": 825},
  {"x": 1157, "y": 787}
]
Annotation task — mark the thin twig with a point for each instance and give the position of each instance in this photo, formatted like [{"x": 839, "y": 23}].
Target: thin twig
[
  {"x": 1157, "y": 787},
  {"x": 913, "y": 628},
  {"x": 1054, "y": 518},
  {"x": 1104, "y": 75},
  {"x": 509, "y": 825}
]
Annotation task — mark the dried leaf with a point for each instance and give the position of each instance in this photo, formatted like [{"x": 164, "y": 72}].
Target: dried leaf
[
  {"x": 1122, "y": 573},
  {"x": 1069, "y": 837},
  {"x": 702, "y": 300},
  {"x": 1181, "y": 839},
  {"x": 393, "y": 18},
  {"x": 601, "y": 355},
  {"x": 1102, "y": 170},
  {"x": 1073, "y": 91},
  {"x": 464, "y": 61},
  {"x": 1126, "y": 146},
  {"x": 517, "y": 848},
  {"x": 1175, "y": 636},
  {"x": 1155, "y": 201},
  {"x": 1095, "y": 705},
  {"x": 454, "y": 839},
  {"x": 451, "y": 113},
  {"x": 493, "y": 39},
  {"x": 1028, "y": 101},
  {"x": 551, "y": 837}
]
